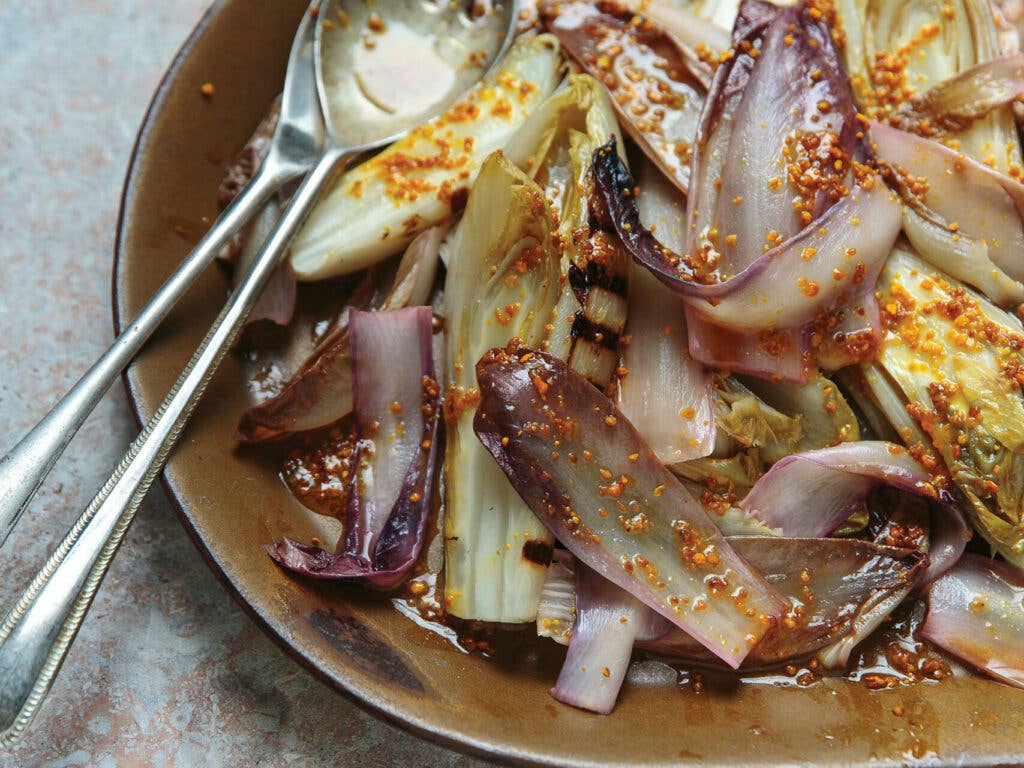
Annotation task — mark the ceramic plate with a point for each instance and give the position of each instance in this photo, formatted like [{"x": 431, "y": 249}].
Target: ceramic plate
[{"x": 232, "y": 502}]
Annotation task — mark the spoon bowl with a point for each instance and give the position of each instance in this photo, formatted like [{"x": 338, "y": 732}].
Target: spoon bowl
[{"x": 386, "y": 66}]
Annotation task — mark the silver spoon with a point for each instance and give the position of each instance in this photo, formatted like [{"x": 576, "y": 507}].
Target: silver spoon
[
  {"x": 294, "y": 148},
  {"x": 38, "y": 630}
]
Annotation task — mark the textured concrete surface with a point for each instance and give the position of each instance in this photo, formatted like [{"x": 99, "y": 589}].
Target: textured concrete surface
[{"x": 167, "y": 671}]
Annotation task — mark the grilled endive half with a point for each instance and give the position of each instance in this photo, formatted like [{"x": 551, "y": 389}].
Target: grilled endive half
[
  {"x": 898, "y": 51},
  {"x": 502, "y": 282},
  {"x": 555, "y": 147},
  {"x": 377, "y": 208},
  {"x": 949, "y": 379},
  {"x": 572, "y": 303}
]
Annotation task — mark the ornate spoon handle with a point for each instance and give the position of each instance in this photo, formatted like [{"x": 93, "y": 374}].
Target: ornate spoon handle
[
  {"x": 294, "y": 148},
  {"x": 36, "y": 633},
  {"x": 25, "y": 466}
]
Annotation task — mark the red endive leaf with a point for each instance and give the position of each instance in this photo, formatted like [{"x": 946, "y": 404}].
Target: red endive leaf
[{"x": 593, "y": 482}]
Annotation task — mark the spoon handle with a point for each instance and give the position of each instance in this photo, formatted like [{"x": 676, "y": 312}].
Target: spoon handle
[
  {"x": 36, "y": 633},
  {"x": 23, "y": 469}
]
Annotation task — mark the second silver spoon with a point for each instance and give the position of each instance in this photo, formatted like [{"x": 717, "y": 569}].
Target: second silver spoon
[{"x": 38, "y": 630}]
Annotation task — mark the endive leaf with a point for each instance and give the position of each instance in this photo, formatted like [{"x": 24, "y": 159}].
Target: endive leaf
[
  {"x": 701, "y": 26},
  {"x": 827, "y": 583},
  {"x": 502, "y": 282},
  {"x": 396, "y": 419},
  {"x": 589, "y": 477},
  {"x": 954, "y": 364},
  {"x": 555, "y": 147},
  {"x": 976, "y": 611},
  {"x": 964, "y": 217},
  {"x": 657, "y": 84},
  {"x": 608, "y": 621},
  {"x": 377, "y": 208},
  {"x": 665, "y": 393},
  {"x": 320, "y": 391},
  {"x": 773, "y": 252},
  {"x": 556, "y": 611}
]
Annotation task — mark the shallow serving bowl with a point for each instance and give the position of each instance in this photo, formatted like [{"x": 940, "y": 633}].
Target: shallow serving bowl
[{"x": 232, "y": 502}]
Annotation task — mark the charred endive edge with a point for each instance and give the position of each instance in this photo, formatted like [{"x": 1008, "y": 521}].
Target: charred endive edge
[
  {"x": 555, "y": 148},
  {"x": 502, "y": 281},
  {"x": 954, "y": 363},
  {"x": 775, "y": 323},
  {"x": 377, "y": 208},
  {"x": 396, "y": 416},
  {"x": 591, "y": 480}
]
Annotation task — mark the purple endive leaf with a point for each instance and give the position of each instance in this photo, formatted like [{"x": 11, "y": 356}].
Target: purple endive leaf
[
  {"x": 898, "y": 520},
  {"x": 665, "y": 393},
  {"x": 826, "y": 582},
  {"x": 816, "y": 270},
  {"x": 237, "y": 176},
  {"x": 608, "y": 622},
  {"x": 777, "y": 246},
  {"x": 320, "y": 391},
  {"x": 388, "y": 416},
  {"x": 277, "y": 302},
  {"x": 810, "y": 493},
  {"x": 657, "y": 84},
  {"x": 761, "y": 115},
  {"x": 948, "y": 535},
  {"x": 767, "y": 353},
  {"x": 752, "y": 15},
  {"x": 906, "y": 522},
  {"x": 954, "y": 104},
  {"x": 965, "y": 218},
  {"x": 976, "y": 612},
  {"x": 396, "y": 410},
  {"x": 591, "y": 480},
  {"x": 240, "y": 171},
  {"x": 318, "y": 394}
]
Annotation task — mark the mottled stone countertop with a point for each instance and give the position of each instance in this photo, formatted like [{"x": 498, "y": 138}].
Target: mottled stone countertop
[{"x": 167, "y": 670}]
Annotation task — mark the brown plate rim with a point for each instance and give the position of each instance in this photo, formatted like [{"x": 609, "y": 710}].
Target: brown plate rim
[
  {"x": 353, "y": 692},
  {"x": 489, "y": 745}
]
